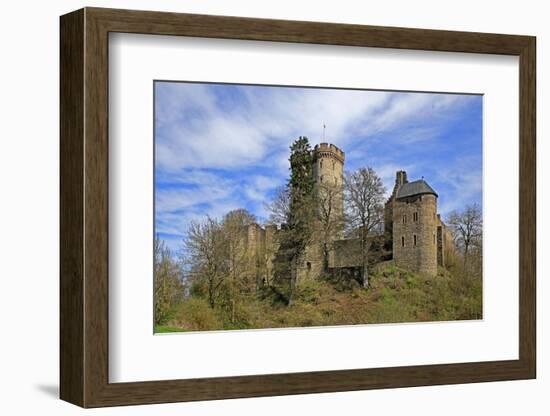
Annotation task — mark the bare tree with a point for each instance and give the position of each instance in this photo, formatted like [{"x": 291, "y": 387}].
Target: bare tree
[
  {"x": 364, "y": 196},
  {"x": 467, "y": 227},
  {"x": 330, "y": 217},
  {"x": 168, "y": 287},
  {"x": 235, "y": 225},
  {"x": 206, "y": 247},
  {"x": 279, "y": 208}
]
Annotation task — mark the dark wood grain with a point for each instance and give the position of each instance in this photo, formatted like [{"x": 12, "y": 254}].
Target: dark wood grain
[
  {"x": 527, "y": 208},
  {"x": 84, "y": 207},
  {"x": 71, "y": 100}
]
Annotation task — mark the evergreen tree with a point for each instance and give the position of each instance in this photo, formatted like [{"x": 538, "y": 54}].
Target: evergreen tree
[{"x": 297, "y": 233}]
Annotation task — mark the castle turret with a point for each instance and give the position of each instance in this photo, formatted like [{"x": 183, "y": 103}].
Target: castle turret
[
  {"x": 328, "y": 171},
  {"x": 414, "y": 225},
  {"x": 328, "y": 167},
  {"x": 400, "y": 180}
]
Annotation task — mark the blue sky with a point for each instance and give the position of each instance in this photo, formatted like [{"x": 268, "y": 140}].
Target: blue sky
[{"x": 220, "y": 147}]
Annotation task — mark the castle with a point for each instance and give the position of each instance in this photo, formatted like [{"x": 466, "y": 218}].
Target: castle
[{"x": 413, "y": 237}]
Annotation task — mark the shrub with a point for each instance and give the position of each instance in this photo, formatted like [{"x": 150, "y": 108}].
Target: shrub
[{"x": 195, "y": 314}]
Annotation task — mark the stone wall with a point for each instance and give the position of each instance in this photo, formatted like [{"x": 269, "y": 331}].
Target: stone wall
[
  {"x": 440, "y": 246},
  {"x": 255, "y": 254},
  {"x": 271, "y": 248},
  {"x": 445, "y": 244},
  {"x": 347, "y": 253},
  {"x": 311, "y": 264}
]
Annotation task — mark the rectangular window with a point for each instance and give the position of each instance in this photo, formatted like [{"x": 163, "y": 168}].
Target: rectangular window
[
  {"x": 414, "y": 238},
  {"x": 402, "y": 241},
  {"x": 415, "y": 216},
  {"x": 404, "y": 219}
]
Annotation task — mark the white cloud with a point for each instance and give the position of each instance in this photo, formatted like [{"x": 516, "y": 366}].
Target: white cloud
[
  {"x": 169, "y": 200},
  {"x": 387, "y": 172},
  {"x": 463, "y": 185},
  {"x": 415, "y": 107},
  {"x": 201, "y": 136},
  {"x": 195, "y": 130}
]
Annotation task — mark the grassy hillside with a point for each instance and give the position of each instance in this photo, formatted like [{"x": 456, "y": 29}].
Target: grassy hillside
[{"x": 394, "y": 296}]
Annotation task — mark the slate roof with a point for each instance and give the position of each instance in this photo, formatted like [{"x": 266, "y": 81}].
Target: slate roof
[{"x": 418, "y": 187}]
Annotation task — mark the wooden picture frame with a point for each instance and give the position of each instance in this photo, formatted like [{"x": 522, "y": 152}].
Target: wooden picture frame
[{"x": 84, "y": 207}]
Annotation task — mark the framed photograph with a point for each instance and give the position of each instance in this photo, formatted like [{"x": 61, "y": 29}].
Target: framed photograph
[{"x": 255, "y": 207}]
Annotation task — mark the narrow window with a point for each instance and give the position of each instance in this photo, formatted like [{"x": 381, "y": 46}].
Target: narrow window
[
  {"x": 308, "y": 265},
  {"x": 321, "y": 178},
  {"x": 434, "y": 238},
  {"x": 414, "y": 238},
  {"x": 415, "y": 216},
  {"x": 333, "y": 164},
  {"x": 321, "y": 164},
  {"x": 404, "y": 219},
  {"x": 402, "y": 241}
]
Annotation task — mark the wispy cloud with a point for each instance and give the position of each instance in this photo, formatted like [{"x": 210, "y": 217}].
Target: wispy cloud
[
  {"x": 220, "y": 147},
  {"x": 462, "y": 188}
]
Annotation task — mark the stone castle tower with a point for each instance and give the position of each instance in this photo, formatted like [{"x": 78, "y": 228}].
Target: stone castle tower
[
  {"x": 328, "y": 172},
  {"x": 412, "y": 221}
]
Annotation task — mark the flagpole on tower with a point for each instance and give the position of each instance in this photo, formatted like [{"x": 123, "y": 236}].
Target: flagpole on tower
[{"x": 324, "y": 128}]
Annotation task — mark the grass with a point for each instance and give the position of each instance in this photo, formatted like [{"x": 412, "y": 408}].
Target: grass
[
  {"x": 160, "y": 329},
  {"x": 394, "y": 295}
]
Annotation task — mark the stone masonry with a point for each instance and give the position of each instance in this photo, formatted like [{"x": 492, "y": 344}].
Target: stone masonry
[{"x": 413, "y": 207}]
